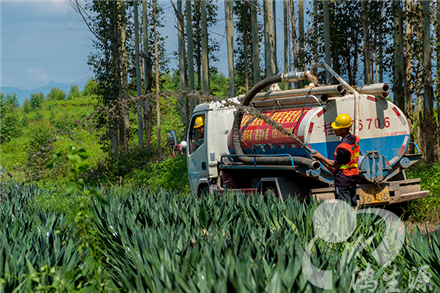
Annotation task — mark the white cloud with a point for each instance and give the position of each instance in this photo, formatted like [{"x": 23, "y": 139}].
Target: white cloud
[{"x": 43, "y": 7}]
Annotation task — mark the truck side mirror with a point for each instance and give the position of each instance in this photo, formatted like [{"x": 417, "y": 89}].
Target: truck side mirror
[{"x": 171, "y": 138}]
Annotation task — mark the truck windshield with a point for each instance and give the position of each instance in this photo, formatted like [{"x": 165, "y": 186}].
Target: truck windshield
[{"x": 197, "y": 132}]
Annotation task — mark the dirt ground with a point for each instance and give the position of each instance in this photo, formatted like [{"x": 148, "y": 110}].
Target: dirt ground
[{"x": 424, "y": 227}]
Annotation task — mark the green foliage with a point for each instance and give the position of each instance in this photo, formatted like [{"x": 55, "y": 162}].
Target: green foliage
[
  {"x": 40, "y": 247},
  {"x": 234, "y": 243},
  {"x": 40, "y": 150},
  {"x": 27, "y": 106},
  {"x": 36, "y": 100},
  {"x": 12, "y": 101},
  {"x": 10, "y": 120},
  {"x": 171, "y": 173},
  {"x": 426, "y": 209},
  {"x": 219, "y": 85},
  {"x": 56, "y": 94},
  {"x": 74, "y": 92},
  {"x": 167, "y": 241},
  {"x": 91, "y": 88}
]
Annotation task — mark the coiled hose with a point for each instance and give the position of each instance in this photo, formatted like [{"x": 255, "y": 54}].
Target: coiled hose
[{"x": 313, "y": 164}]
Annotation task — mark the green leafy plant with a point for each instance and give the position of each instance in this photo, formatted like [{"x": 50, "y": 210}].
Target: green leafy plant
[
  {"x": 75, "y": 182},
  {"x": 10, "y": 120},
  {"x": 56, "y": 94},
  {"x": 426, "y": 209}
]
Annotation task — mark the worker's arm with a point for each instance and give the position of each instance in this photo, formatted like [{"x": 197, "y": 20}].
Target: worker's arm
[{"x": 329, "y": 164}]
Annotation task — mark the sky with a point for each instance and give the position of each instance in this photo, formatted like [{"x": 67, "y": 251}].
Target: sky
[{"x": 43, "y": 41}]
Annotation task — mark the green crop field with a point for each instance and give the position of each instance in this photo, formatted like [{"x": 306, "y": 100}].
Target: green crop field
[{"x": 143, "y": 240}]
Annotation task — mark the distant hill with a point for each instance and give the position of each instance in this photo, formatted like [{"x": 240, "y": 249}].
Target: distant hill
[{"x": 23, "y": 94}]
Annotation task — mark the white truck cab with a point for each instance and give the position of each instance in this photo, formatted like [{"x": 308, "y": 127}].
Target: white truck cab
[{"x": 203, "y": 160}]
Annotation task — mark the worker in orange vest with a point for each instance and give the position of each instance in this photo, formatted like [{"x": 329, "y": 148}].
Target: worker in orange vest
[{"x": 344, "y": 167}]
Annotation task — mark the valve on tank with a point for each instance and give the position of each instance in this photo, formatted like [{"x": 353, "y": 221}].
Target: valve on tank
[{"x": 373, "y": 167}]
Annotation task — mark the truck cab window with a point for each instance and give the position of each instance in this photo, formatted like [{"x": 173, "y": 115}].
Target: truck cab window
[{"x": 197, "y": 132}]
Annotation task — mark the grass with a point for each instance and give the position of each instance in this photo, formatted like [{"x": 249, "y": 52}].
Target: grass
[{"x": 426, "y": 209}]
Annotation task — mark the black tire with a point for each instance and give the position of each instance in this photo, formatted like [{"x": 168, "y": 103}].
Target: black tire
[{"x": 204, "y": 191}]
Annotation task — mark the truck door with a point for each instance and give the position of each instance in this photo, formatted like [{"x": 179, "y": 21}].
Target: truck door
[{"x": 197, "y": 150}]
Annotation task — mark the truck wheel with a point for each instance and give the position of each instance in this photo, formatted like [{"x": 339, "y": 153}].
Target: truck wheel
[{"x": 204, "y": 191}]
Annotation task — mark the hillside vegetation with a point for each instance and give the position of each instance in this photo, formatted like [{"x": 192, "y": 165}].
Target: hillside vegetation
[{"x": 33, "y": 133}]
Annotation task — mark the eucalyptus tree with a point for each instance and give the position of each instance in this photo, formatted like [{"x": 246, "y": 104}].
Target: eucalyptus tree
[
  {"x": 148, "y": 121},
  {"x": 427, "y": 82},
  {"x": 294, "y": 54},
  {"x": 213, "y": 45},
  {"x": 156, "y": 53},
  {"x": 246, "y": 48},
  {"x": 255, "y": 42},
  {"x": 189, "y": 32},
  {"x": 397, "y": 56},
  {"x": 107, "y": 22},
  {"x": 437, "y": 71},
  {"x": 229, "y": 22}
]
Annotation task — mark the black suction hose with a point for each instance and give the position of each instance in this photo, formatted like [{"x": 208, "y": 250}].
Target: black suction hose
[{"x": 313, "y": 164}]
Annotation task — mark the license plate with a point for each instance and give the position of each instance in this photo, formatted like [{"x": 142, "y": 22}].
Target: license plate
[{"x": 372, "y": 195}]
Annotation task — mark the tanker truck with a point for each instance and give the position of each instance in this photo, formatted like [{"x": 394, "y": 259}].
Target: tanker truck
[{"x": 243, "y": 152}]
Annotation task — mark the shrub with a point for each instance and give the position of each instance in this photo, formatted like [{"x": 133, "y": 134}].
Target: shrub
[
  {"x": 91, "y": 88},
  {"x": 56, "y": 94},
  {"x": 10, "y": 121},
  {"x": 40, "y": 150},
  {"x": 27, "y": 106},
  {"x": 36, "y": 100},
  {"x": 12, "y": 100},
  {"x": 74, "y": 92},
  {"x": 171, "y": 173},
  {"x": 426, "y": 209}
]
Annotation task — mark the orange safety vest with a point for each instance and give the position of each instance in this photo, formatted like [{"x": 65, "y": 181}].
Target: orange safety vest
[{"x": 351, "y": 168}]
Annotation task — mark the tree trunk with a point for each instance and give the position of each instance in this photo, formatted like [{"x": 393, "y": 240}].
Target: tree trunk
[
  {"x": 138, "y": 74},
  {"x": 199, "y": 49},
  {"x": 115, "y": 56},
  {"x": 437, "y": 84},
  {"x": 230, "y": 45},
  {"x": 399, "y": 98},
  {"x": 189, "y": 33},
  {"x": 409, "y": 88},
  {"x": 367, "y": 64},
  {"x": 286, "y": 41},
  {"x": 156, "y": 51},
  {"x": 328, "y": 79},
  {"x": 419, "y": 85},
  {"x": 182, "y": 66},
  {"x": 301, "y": 38},
  {"x": 124, "y": 122},
  {"x": 255, "y": 42},
  {"x": 205, "y": 64},
  {"x": 274, "y": 37},
  {"x": 427, "y": 81},
  {"x": 148, "y": 123},
  {"x": 294, "y": 39},
  {"x": 380, "y": 61},
  {"x": 270, "y": 64},
  {"x": 246, "y": 56}
]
